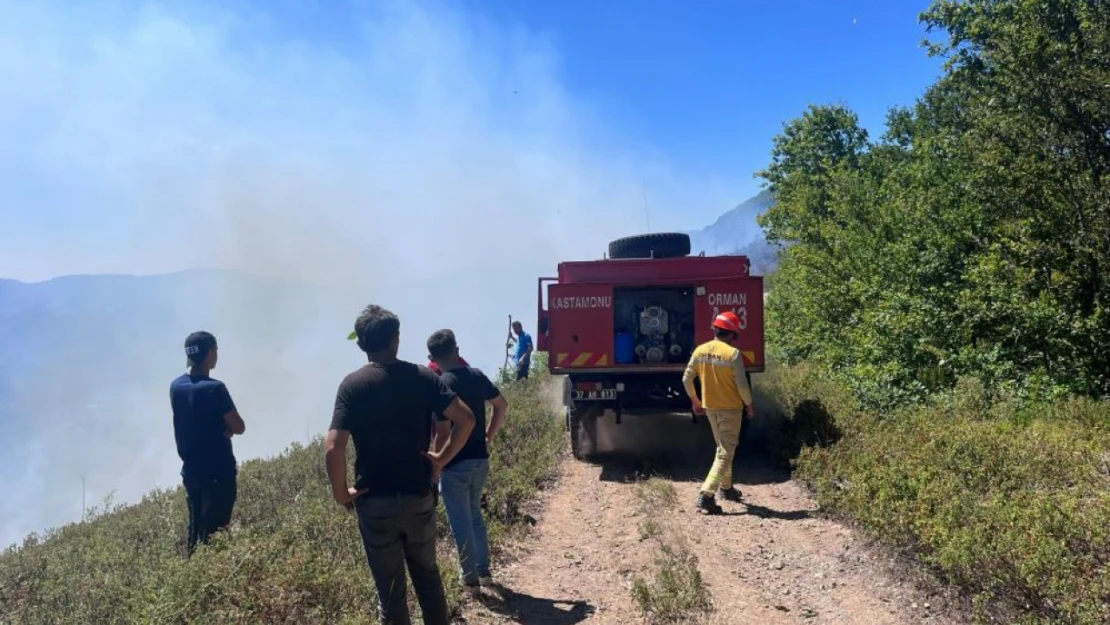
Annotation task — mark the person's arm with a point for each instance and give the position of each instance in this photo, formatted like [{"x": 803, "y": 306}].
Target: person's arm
[
  {"x": 235, "y": 424},
  {"x": 742, "y": 382},
  {"x": 442, "y": 432},
  {"x": 500, "y": 407},
  {"x": 335, "y": 451},
  {"x": 443, "y": 401},
  {"x": 180, "y": 436},
  {"x": 441, "y": 427},
  {"x": 335, "y": 459},
  {"x": 688, "y": 383},
  {"x": 463, "y": 419},
  {"x": 226, "y": 406}
]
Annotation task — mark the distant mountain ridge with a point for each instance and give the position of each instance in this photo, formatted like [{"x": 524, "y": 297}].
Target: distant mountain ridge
[{"x": 737, "y": 232}]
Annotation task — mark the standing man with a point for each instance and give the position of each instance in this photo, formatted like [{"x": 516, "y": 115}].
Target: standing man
[
  {"x": 385, "y": 406},
  {"x": 464, "y": 477},
  {"x": 523, "y": 355},
  {"x": 204, "y": 420},
  {"x": 724, "y": 395}
]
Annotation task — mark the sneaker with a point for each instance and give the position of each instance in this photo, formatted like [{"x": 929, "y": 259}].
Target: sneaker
[
  {"x": 472, "y": 588},
  {"x": 707, "y": 504},
  {"x": 730, "y": 494},
  {"x": 486, "y": 580}
]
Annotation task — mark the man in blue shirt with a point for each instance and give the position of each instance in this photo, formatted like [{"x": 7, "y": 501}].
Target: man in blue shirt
[
  {"x": 523, "y": 355},
  {"x": 204, "y": 420}
]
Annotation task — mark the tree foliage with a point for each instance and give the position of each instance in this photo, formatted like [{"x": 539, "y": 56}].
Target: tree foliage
[{"x": 973, "y": 237}]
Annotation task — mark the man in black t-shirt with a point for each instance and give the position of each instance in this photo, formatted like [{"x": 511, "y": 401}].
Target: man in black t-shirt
[
  {"x": 204, "y": 420},
  {"x": 464, "y": 477},
  {"x": 385, "y": 406}
]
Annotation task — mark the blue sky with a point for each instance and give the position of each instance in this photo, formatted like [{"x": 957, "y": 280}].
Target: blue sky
[
  {"x": 251, "y": 129},
  {"x": 710, "y": 82}
]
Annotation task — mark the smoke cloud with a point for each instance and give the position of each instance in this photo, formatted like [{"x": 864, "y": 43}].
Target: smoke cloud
[{"x": 403, "y": 153}]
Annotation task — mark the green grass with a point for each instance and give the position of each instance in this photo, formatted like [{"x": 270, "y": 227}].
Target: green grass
[
  {"x": 292, "y": 555},
  {"x": 672, "y": 589},
  {"x": 1008, "y": 501},
  {"x": 654, "y": 494}
]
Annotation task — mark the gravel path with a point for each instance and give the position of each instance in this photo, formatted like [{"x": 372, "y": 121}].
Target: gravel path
[{"x": 768, "y": 560}]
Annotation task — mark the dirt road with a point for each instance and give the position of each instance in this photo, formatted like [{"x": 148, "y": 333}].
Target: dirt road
[{"x": 770, "y": 559}]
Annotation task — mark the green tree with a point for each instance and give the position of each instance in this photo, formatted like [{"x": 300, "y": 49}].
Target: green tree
[
  {"x": 1037, "y": 76},
  {"x": 973, "y": 236}
]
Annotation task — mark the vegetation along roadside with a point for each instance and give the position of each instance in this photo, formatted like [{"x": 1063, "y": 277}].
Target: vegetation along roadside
[
  {"x": 292, "y": 555},
  {"x": 942, "y": 310}
]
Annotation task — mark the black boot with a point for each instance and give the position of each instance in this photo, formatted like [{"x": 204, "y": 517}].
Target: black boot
[
  {"x": 730, "y": 494},
  {"x": 707, "y": 504}
]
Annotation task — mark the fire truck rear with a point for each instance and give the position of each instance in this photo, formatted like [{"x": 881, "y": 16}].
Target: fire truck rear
[{"x": 622, "y": 329}]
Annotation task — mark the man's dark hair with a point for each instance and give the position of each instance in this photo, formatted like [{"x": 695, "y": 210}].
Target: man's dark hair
[
  {"x": 723, "y": 334},
  {"x": 441, "y": 344},
  {"x": 197, "y": 346},
  {"x": 517, "y": 324},
  {"x": 376, "y": 328}
]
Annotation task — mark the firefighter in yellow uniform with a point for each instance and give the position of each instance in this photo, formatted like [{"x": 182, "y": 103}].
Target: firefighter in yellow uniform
[{"x": 724, "y": 396}]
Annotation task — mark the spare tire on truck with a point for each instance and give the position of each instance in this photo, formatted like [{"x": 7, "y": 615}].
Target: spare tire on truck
[{"x": 657, "y": 245}]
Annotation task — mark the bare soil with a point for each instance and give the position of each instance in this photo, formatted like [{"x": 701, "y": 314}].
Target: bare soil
[{"x": 770, "y": 559}]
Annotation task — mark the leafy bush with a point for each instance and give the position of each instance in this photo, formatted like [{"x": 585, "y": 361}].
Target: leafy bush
[
  {"x": 1009, "y": 500},
  {"x": 676, "y": 591},
  {"x": 803, "y": 399},
  {"x": 292, "y": 555}
]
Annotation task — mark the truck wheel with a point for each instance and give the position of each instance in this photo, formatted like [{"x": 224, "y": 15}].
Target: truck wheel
[
  {"x": 583, "y": 430},
  {"x": 657, "y": 245}
]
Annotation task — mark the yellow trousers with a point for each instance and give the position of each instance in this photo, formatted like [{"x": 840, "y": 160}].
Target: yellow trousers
[{"x": 726, "y": 431}]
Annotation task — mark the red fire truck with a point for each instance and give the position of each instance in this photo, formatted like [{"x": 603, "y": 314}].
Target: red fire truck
[{"x": 622, "y": 329}]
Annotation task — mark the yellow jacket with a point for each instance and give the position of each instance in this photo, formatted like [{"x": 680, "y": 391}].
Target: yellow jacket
[{"x": 720, "y": 367}]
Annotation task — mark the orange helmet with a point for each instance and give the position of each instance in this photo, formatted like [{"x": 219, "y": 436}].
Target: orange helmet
[{"x": 727, "y": 321}]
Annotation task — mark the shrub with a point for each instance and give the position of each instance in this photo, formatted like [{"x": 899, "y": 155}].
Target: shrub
[
  {"x": 1006, "y": 499},
  {"x": 803, "y": 402},
  {"x": 676, "y": 591}
]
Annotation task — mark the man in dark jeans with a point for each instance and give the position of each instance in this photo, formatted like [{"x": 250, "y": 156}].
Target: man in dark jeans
[
  {"x": 386, "y": 407},
  {"x": 204, "y": 420}
]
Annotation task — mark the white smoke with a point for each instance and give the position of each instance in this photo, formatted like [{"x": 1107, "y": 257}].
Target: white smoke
[{"x": 403, "y": 153}]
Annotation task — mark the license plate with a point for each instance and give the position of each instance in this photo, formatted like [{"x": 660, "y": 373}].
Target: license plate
[{"x": 607, "y": 393}]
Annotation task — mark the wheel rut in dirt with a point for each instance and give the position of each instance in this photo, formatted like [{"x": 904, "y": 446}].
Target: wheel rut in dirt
[{"x": 605, "y": 530}]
